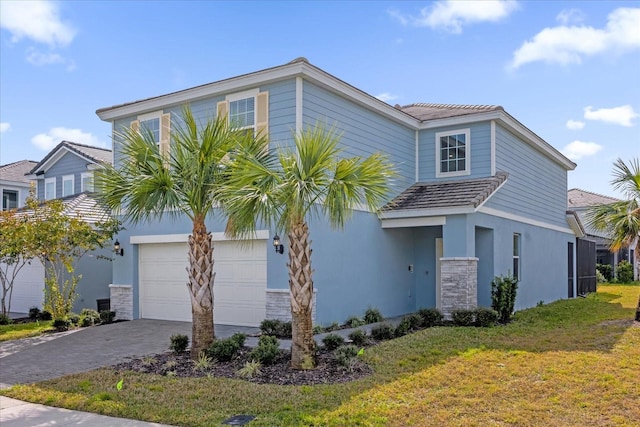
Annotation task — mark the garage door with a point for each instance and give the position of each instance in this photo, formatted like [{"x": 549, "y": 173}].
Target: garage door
[
  {"x": 239, "y": 290},
  {"x": 28, "y": 288}
]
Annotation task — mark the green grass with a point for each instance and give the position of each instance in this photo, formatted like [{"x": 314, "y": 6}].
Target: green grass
[
  {"x": 571, "y": 363},
  {"x": 17, "y": 331}
]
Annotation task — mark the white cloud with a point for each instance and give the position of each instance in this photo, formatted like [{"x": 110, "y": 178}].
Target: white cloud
[
  {"x": 570, "y": 16},
  {"x": 569, "y": 44},
  {"x": 36, "y": 20},
  {"x": 39, "y": 59},
  {"x": 4, "y": 126},
  {"x": 579, "y": 149},
  {"x": 46, "y": 141},
  {"x": 575, "y": 124},
  {"x": 386, "y": 97},
  {"x": 451, "y": 16},
  {"x": 622, "y": 115}
]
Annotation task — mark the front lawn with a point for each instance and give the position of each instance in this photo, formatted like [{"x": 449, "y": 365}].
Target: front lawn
[
  {"x": 16, "y": 331},
  {"x": 572, "y": 362}
]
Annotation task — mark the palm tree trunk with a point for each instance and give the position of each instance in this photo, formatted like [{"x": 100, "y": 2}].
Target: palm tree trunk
[
  {"x": 201, "y": 277},
  {"x": 301, "y": 287}
]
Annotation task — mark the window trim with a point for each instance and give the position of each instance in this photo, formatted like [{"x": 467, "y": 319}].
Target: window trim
[
  {"x": 467, "y": 160},
  {"x": 47, "y": 181},
  {"x": 517, "y": 255},
  {"x": 66, "y": 178},
  {"x": 84, "y": 175},
  {"x": 252, "y": 93},
  {"x": 152, "y": 116},
  {"x": 7, "y": 191}
]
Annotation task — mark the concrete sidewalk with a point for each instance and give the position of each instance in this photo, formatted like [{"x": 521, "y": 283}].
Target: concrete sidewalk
[{"x": 15, "y": 413}]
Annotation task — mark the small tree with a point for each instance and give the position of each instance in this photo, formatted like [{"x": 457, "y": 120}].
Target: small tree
[{"x": 503, "y": 296}]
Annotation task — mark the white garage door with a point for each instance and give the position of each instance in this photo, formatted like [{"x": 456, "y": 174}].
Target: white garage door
[
  {"x": 239, "y": 290},
  {"x": 28, "y": 288}
]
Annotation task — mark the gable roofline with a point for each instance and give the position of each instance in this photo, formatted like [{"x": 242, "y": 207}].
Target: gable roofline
[
  {"x": 15, "y": 173},
  {"x": 594, "y": 199},
  {"x": 63, "y": 148},
  {"x": 301, "y": 67}
]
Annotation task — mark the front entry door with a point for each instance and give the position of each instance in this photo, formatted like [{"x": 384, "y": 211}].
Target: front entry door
[{"x": 439, "y": 254}]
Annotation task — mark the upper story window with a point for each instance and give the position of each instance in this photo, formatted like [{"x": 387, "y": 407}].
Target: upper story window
[
  {"x": 242, "y": 113},
  {"x": 453, "y": 153},
  {"x": 86, "y": 182},
  {"x": 150, "y": 123},
  {"x": 247, "y": 110},
  {"x": 158, "y": 125},
  {"x": 67, "y": 185},
  {"x": 9, "y": 200},
  {"x": 49, "y": 188}
]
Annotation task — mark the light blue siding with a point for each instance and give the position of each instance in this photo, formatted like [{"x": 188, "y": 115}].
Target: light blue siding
[
  {"x": 537, "y": 186},
  {"x": 96, "y": 271},
  {"x": 425, "y": 265},
  {"x": 68, "y": 164},
  {"x": 363, "y": 131},
  {"x": 480, "y": 147}
]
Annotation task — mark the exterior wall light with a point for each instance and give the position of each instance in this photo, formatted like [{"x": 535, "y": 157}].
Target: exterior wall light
[
  {"x": 117, "y": 249},
  {"x": 277, "y": 245}
]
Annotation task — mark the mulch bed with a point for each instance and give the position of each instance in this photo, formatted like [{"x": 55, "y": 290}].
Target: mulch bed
[{"x": 328, "y": 371}]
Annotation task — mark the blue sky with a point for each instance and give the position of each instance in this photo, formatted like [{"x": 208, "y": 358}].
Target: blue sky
[{"x": 567, "y": 70}]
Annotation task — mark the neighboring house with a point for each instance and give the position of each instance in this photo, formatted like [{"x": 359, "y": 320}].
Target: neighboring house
[
  {"x": 66, "y": 173},
  {"x": 580, "y": 201},
  {"x": 14, "y": 185},
  {"x": 477, "y": 195}
]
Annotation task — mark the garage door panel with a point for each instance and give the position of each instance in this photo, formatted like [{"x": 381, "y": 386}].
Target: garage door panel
[
  {"x": 28, "y": 287},
  {"x": 239, "y": 286}
]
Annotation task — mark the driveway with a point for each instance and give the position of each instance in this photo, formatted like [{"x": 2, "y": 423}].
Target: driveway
[{"x": 51, "y": 356}]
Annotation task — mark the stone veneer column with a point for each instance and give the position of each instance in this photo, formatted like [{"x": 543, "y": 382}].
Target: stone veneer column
[
  {"x": 459, "y": 284},
  {"x": 279, "y": 304},
  {"x": 122, "y": 301}
]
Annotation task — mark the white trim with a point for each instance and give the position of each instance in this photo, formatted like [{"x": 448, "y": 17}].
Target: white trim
[
  {"x": 414, "y": 222},
  {"x": 415, "y": 213},
  {"x": 46, "y": 181},
  {"x": 113, "y": 285},
  {"x": 467, "y": 153},
  {"x": 299, "y": 100},
  {"x": 57, "y": 156},
  {"x": 183, "y": 238},
  {"x": 417, "y": 157},
  {"x": 71, "y": 178},
  {"x": 572, "y": 220},
  {"x": 460, "y": 258},
  {"x": 524, "y": 220},
  {"x": 237, "y": 96},
  {"x": 150, "y": 116},
  {"x": 493, "y": 147}
]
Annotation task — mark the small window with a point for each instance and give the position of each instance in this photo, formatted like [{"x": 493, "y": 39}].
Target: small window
[
  {"x": 87, "y": 182},
  {"x": 453, "y": 153},
  {"x": 67, "y": 185},
  {"x": 516, "y": 256},
  {"x": 49, "y": 188},
  {"x": 9, "y": 200},
  {"x": 151, "y": 126},
  {"x": 242, "y": 113}
]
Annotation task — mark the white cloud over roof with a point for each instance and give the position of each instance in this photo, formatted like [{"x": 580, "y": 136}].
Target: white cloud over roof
[
  {"x": 575, "y": 124},
  {"x": 579, "y": 149},
  {"x": 46, "y": 141},
  {"x": 622, "y": 115},
  {"x": 38, "y": 21},
  {"x": 570, "y": 44},
  {"x": 451, "y": 16},
  {"x": 386, "y": 97}
]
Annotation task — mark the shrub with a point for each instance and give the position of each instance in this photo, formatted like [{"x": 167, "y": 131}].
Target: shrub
[
  {"x": 332, "y": 341},
  {"x": 408, "y": 324},
  {"x": 354, "y": 322},
  {"x": 430, "y": 317},
  {"x": 179, "y": 343},
  {"x": 61, "y": 325},
  {"x": 275, "y": 327},
  {"x": 332, "y": 327},
  {"x": 45, "y": 315},
  {"x": 107, "y": 316},
  {"x": 250, "y": 369},
  {"x": 318, "y": 329},
  {"x": 358, "y": 337},
  {"x": 225, "y": 349},
  {"x": 624, "y": 272},
  {"x": 34, "y": 313},
  {"x": 503, "y": 296},
  {"x": 373, "y": 315},
  {"x": 599, "y": 277},
  {"x": 239, "y": 338},
  {"x": 5, "y": 319},
  {"x": 463, "y": 317},
  {"x": 74, "y": 318},
  {"x": 203, "y": 362},
  {"x": 402, "y": 329},
  {"x": 267, "y": 350},
  {"x": 92, "y": 316},
  {"x": 485, "y": 317},
  {"x": 86, "y": 321},
  {"x": 606, "y": 270},
  {"x": 346, "y": 355},
  {"x": 383, "y": 332}
]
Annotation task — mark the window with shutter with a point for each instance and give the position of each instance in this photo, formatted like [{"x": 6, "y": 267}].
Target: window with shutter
[
  {"x": 158, "y": 126},
  {"x": 247, "y": 110}
]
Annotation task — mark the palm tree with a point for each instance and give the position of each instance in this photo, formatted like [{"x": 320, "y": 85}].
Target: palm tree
[
  {"x": 621, "y": 220},
  {"x": 289, "y": 188},
  {"x": 149, "y": 183}
]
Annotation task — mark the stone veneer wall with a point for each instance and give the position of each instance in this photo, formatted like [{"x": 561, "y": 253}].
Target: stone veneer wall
[
  {"x": 279, "y": 304},
  {"x": 122, "y": 301},
  {"x": 459, "y": 284}
]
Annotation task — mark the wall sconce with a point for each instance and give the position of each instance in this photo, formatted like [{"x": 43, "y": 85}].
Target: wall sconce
[
  {"x": 117, "y": 249},
  {"x": 277, "y": 245}
]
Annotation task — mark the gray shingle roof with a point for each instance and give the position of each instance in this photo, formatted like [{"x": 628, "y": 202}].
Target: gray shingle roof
[
  {"x": 577, "y": 198},
  {"x": 16, "y": 171},
  {"x": 423, "y": 111},
  {"x": 82, "y": 205},
  {"x": 94, "y": 154},
  {"x": 469, "y": 193}
]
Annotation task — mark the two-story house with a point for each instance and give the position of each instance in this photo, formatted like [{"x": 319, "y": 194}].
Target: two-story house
[{"x": 477, "y": 195}]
